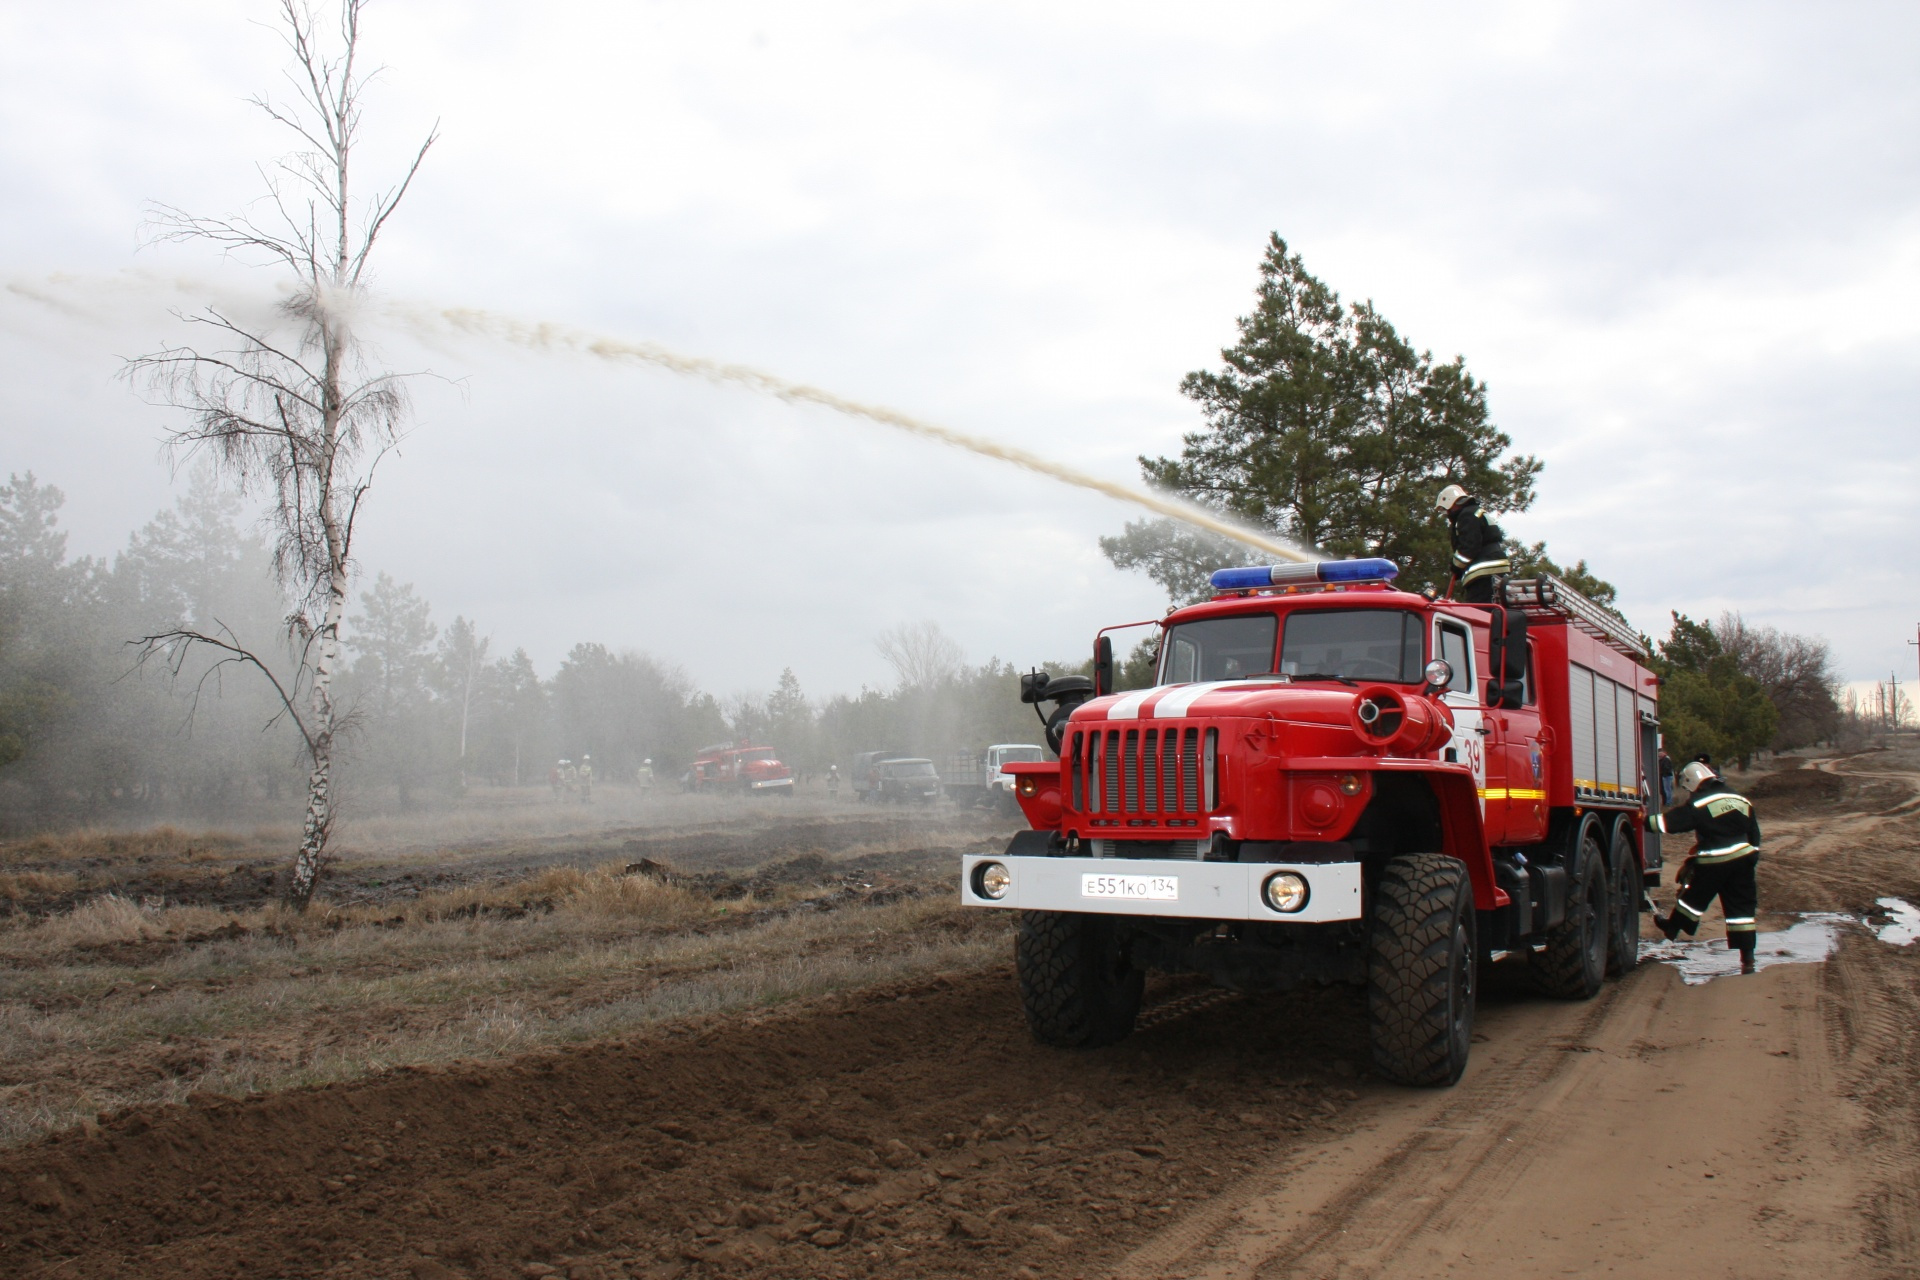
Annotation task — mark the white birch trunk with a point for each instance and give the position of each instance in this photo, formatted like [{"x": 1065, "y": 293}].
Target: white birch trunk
[{"x": 318, "y": 826}]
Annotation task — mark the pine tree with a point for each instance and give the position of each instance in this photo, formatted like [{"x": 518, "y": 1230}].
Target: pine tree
[{"x": 1328, "y": 427}]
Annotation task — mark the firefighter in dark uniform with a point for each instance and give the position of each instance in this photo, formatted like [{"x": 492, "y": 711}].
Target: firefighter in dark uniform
[
  {"x": 1723, "y": 865},
  {"x": 1479, "y": 548}
]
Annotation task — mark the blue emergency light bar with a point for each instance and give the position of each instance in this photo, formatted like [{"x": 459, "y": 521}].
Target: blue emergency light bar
[{"x": 1313, "y": 572}]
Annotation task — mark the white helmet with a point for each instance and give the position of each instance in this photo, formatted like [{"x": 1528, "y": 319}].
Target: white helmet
[
  {"x": 1693, "y": 774},
  {"x": 1449, "y": 498}
]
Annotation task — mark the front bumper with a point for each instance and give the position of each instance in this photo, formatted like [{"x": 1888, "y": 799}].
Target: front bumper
[
  {"x": 1204, "y": 890},
  {"x": 767, "y": 784}
]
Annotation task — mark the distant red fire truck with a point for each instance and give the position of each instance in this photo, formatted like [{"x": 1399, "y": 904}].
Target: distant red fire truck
[
  {"x": 739, "y": 766},
  {"x": 1334, "y": 780}
]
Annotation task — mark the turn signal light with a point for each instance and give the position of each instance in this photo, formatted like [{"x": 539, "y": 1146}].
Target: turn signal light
[
  {"x": 1349, "y": 784},
  {"x": 1027, "y": 787}
]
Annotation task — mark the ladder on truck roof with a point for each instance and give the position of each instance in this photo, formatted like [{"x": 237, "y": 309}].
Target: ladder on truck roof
[{"x": 1549, "y": 597}]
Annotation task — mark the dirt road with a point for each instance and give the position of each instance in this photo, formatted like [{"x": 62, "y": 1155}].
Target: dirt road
[{"x": 1746, "y": 1127}]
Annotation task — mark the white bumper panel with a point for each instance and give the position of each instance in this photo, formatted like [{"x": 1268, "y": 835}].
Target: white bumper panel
[
  {"x": 1204, "y": 890},
  {"x": 772, "y": 782}
]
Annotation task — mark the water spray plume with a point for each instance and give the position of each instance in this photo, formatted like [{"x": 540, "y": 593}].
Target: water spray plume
[
  {"x": 90, "y": 298},
  {"x": 542, "y": 336}
]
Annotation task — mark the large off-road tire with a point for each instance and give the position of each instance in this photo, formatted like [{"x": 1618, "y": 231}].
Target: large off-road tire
[
  {"x": 1421, "y": 972},
  {"x": 1076, "y": 982},
  {"x": 1574, "y": 963},
  {"x": 1623, "y": 938}
]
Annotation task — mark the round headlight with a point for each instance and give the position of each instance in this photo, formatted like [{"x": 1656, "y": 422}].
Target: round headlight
[
  {"x": 992, "y": 880},
  {"x": 1028, "y": 786},
  {"x": 1439, "y": 673},
  {"x": 1285, "y": 892},
  {"x": 1349, "y": 784}
]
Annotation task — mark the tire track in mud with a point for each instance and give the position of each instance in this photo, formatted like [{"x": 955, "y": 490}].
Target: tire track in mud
[{"x": 1431, "y": 1133}]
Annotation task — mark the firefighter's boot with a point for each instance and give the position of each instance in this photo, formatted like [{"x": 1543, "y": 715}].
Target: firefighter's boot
[
  {"x": 1746, "y": 963},
  {"x": 1670, "y": 925}
]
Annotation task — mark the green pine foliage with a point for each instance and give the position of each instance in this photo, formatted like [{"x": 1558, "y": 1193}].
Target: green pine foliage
[
  {"x": 1707, "y": 704},
  {"x": 1326, "y": 426}
]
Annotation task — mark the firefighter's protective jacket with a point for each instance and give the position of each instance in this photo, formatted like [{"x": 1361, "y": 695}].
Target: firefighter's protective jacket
[
  {"x": 1478, "y": 547},
  {"x": 1720, "y": 819}
]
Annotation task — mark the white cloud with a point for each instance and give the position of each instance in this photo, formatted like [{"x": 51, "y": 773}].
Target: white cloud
[{"x": 1680, "y": 242}]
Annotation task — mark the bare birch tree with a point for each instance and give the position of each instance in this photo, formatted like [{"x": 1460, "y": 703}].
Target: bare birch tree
[
  {"x": 924, "y": 656},
  {"x": 295, "y": 411}
]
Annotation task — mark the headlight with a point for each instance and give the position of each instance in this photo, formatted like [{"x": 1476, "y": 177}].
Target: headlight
[
  {"x": 1028, "y": 787},
  {"x": 1285, "y": 892},
  {"x": 1349, "y": 784},
  {"x": 992, "y": 880}
]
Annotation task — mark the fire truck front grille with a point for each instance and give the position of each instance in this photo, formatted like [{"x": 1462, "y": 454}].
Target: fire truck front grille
[{"x": 1145, "y": 777}]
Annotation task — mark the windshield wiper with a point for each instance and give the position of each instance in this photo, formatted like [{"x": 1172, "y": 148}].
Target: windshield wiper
[{"x": 1326, "y": 675}]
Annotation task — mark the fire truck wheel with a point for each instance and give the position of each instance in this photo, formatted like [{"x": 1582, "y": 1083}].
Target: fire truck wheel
[
  {"x": 1421, "y": 971},
  {"x": 1623, "y": 943},
  {"x": 1575, "y": 962},
  {"x": 1076, "y": 983}
]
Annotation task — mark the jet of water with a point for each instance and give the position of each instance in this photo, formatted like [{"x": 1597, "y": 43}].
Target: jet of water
[
  {"x": 542, "y": 336},
  {"x": 91, "y": 298}
]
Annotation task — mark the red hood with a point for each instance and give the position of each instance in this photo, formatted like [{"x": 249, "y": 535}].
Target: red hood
[
  {"x": 764, "y": 769},
  {"x": 1315, "y": 704}
]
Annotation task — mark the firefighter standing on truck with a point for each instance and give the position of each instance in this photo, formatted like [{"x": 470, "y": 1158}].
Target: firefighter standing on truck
[
  {"x": 1479, "y": 547},
  {"x": 1723, "y": 865}
]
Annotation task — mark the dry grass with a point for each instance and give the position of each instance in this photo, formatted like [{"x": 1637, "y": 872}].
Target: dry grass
[
  {"x": 117, "y": 1002},
  {"x": 26, "y": 885},
  {"x": 160, "y": 844}
]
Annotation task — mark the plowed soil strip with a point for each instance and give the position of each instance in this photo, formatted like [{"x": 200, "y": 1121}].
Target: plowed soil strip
[{"x": 903, "y": 1132}]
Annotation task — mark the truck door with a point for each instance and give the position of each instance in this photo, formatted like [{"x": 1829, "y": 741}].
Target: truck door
[
  {"x": 1454, "y": 643},
  {"x": 1522, "y": 769}
]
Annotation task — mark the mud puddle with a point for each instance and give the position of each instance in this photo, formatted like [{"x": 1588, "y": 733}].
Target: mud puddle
[{"x": 1811, "y": 939}]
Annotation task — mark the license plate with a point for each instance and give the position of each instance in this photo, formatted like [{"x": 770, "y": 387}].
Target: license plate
[{"x": 1136, "y": 888}]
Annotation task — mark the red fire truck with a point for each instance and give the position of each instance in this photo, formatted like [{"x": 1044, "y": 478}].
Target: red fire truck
[
  {"x": 739, "y": 766},
  {"x": 1334, "y": 780}
]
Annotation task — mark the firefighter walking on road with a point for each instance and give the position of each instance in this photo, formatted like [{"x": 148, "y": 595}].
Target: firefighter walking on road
[
  {"x": 1724, "y": 864},
  {"x": 1479, "y": 548}
]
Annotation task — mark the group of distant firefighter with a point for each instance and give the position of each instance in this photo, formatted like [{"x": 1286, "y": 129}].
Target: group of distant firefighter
[{"x": 572, "y": 781}]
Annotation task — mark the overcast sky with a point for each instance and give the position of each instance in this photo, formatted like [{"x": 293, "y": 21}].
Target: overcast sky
[{"x": 1681, "y": 242}]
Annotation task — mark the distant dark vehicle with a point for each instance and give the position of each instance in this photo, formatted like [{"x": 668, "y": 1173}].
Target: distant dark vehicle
[
  {"x": 901, "y": 781},
  {"x": 866, "y": 774}
]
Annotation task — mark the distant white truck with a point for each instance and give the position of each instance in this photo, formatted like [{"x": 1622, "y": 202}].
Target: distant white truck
[{"x": 978, "y": 778}]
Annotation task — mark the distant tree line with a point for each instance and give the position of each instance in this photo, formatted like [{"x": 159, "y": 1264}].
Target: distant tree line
[
  {"x": 427, "y": 710},
  {"x": 1732, "y": 690}
]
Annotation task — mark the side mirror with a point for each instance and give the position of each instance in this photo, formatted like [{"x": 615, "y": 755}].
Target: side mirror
[{"x": 1102, "y": 666}]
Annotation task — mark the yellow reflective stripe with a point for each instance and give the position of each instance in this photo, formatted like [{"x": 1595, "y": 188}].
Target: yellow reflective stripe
[
  {"x": 1486, "y": 569},
  {"x": 1682, "y": 906},
  {"x": 1728, "y": 854},
  {"x": 1512, "y": 793}
]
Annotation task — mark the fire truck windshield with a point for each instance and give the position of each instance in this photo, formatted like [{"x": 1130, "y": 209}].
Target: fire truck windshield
[
  {"x": 764, "y": 753},
  {"x": 1354, "y": 644},
  {"x": 1219, "y": 648}
]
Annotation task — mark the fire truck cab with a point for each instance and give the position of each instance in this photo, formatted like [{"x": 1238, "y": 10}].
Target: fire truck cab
[
  {"x": 739, "y": 766},
  {"x": 1334, "y": 780}
]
